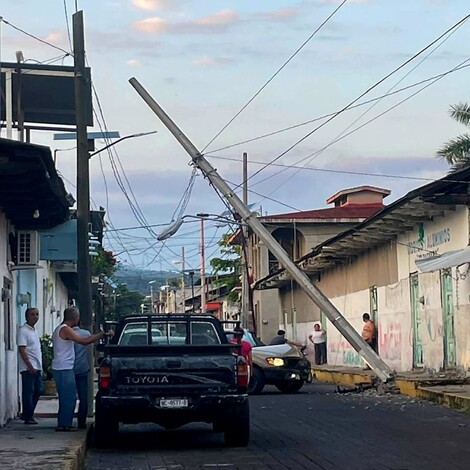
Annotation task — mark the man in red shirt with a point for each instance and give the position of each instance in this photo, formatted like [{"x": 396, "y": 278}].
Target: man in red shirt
[{"x": 246, "y": 347}]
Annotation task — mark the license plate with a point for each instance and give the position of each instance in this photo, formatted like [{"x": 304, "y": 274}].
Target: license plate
[{"x": 174, "y": 403}]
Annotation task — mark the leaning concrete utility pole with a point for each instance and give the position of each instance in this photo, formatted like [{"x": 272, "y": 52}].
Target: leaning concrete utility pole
[
  {"x": 245, "y": 304},
  {"x": 382, "y": 370}
]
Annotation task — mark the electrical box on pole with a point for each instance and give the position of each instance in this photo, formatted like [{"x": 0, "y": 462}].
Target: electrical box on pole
[{"x": 382, "y": 370}]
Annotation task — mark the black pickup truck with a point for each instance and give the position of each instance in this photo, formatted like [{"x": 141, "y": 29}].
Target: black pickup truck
[{"x": 172, "y": 370}]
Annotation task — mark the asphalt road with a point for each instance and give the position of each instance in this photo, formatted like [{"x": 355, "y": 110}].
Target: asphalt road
[{"x": 314, "y": 429}]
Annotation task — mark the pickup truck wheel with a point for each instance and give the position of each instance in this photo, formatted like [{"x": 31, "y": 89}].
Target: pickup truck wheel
[
  {"x": 290, "y": 387},
  {"x": 237, "y": 431},
  {"x": 256, "y": 384},
  {"x": 105, "y": 428}
]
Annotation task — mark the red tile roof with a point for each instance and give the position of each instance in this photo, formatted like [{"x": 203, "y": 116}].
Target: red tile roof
[{"x": 350, "y": 211}]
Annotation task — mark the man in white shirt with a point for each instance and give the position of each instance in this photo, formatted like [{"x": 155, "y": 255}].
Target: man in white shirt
[
  {"x": 318, "y": 338},
  {"x": 30, "y": 364}
]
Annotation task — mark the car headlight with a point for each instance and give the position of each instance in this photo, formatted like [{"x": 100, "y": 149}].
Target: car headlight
[{"x": 275, "y": 361}]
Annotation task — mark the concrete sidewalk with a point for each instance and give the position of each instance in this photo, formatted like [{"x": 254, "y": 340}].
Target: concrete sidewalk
[
  {"x": 40, "y": 446},
  {"x": 446, "y": 389}
]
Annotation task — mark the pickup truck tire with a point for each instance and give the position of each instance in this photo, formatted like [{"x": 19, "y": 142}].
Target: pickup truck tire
[
  {"x": 257, "y": 382},
  {"x": 237, "y": 431},
  {"x": 290, "y": 387},
  {"x": 105, "y": 428}
]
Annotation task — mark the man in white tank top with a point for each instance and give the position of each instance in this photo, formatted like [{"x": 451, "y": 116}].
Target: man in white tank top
[{"x": 63, "y": 340}]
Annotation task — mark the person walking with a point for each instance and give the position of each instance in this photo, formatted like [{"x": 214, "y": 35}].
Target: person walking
[
  {"x": 318, "y": 338},
  {"x": 63, "y": 362},
  {"x": 30, "y": 364},
  {"x": 81, "y": 367}
]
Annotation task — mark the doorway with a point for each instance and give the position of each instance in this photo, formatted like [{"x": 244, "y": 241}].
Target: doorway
[{"x": 447, "y": 299}]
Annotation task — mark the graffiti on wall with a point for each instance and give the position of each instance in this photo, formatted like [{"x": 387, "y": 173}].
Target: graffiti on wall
[
  {"x": 341, "y": 352},
  {"x": 390, "y": 340}
]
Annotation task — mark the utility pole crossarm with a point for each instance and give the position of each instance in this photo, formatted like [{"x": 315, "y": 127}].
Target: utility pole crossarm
[{"x": 382, "y": 370}]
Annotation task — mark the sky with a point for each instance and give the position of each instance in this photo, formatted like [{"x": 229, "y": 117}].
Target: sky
[{"x": 250, "y": 68}]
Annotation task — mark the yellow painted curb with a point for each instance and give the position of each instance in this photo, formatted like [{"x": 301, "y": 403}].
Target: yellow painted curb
[{"x": 341, "y": 378}]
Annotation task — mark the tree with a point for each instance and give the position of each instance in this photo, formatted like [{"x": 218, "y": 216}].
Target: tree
[
  {"x": 456, "y": 151},
  {"x": 127, "y": 302},
  {"x": 105, "y": 263},
  {"x": 228, "y": 265}
]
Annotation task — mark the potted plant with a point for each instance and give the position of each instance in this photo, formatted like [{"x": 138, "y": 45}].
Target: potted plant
[{"x": 47, "y": 355}]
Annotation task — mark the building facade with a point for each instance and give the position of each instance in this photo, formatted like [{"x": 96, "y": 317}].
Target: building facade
[
  {"x": 408, "y": 266},
  {"x": 298, "y": 232}
]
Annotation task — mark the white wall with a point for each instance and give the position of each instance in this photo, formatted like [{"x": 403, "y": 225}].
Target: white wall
[
  {"x": 395, "y": 323},
  {"x": 8, "y": 356}
]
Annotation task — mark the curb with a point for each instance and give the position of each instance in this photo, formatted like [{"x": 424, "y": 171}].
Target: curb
[
  {"x": 74, "y": 459},
  {"x": 342, "y": 378}
]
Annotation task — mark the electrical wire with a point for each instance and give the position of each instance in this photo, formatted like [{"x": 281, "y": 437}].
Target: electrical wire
[
  {"x": 276, "y": 73},
  {"x": 369, "y": 89},
  {"x": 36, "y": 38},
  {"x": 310, "y": 157},
  {"x": 67, "y": 24},
  {"x": 311, "y": 121}
]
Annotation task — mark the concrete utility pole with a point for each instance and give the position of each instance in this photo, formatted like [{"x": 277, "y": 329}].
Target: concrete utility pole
[
  {"x": 83, "y": 188},
  {"x": 203, "y": 265},
  {"x": 83, "y": 176},
  {"x": 382, "y": 370},
  {"x": 183, "y": 267},
  {"x": 245, "y": 308}
]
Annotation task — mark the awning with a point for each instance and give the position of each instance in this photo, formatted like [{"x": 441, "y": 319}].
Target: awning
[{"x": 446, "y": 260}]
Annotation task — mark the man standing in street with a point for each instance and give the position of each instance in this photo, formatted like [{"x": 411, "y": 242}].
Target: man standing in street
[
  {"x": 369, "y": 331},
  {"x": 63, "y": 341},
  {"x": 318, "y": 338},
  {"x": 30, "y": 364},
  {"x": 81, "y": 368}
]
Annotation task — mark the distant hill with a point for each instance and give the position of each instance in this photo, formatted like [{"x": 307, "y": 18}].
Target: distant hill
[{"x": 138, "y": 279}]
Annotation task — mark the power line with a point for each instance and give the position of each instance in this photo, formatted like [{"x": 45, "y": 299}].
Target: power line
[
  {"x": 36, "y": 38},
  {"x": 67, "y": 24},
  {"x": 326, "y": 170},
  {"x": 311, "y": 121},
  {"x": 306, "y": 136},
  {"x": 276, "y": 73},
  {"x": 310, "y": 157}
]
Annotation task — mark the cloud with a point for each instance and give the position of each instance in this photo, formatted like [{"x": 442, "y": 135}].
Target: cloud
[
  {"x": 152, "y": 25},
  {"x": 157, "y": 5},
  {"x": 280, "y": 14},
  {"x": 218, "y": 21},
  {"x": 207, "y": 61},
  {"x": 134, "y": 63}
]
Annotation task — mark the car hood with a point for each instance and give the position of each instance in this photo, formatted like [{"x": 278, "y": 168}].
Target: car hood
[{"x": 279, "y": 350}]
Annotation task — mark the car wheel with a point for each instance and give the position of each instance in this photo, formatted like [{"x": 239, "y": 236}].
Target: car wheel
[
  {"x": 257, "y": 382},
  {"x": 290, "y": 387},
  {"x": 105, "y": 428},
  {"x": 237, "y": 431}
]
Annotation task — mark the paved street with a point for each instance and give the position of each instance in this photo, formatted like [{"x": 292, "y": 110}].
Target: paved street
[{"x": 315, "y": 429}]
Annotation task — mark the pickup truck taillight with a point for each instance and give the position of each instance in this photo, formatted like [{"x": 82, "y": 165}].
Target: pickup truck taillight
[
  {"x": 242, "y": 373},
  {"x": 104, "y": 379}
]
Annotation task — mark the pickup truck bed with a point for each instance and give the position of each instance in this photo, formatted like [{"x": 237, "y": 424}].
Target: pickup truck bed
[{"x": 170, "y": 380}]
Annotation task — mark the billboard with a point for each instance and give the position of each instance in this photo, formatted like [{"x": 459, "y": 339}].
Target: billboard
[{"x": 46, "y": 93}]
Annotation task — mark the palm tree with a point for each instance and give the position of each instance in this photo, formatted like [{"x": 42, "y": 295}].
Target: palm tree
[{"x": 457, "y": 151}]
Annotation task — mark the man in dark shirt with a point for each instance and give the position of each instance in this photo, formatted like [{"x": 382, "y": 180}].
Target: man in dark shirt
[{"x": 281, "y": 339}]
